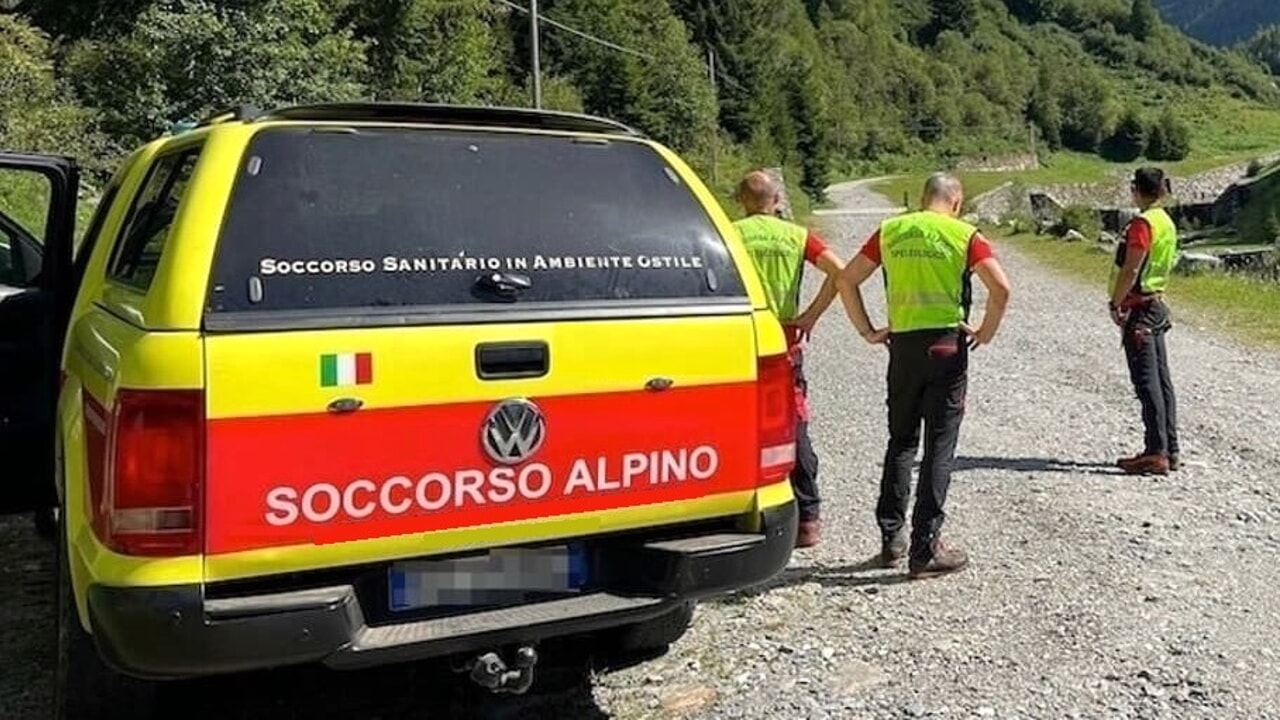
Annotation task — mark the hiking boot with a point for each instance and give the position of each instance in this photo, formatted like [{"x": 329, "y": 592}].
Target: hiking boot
[
  {"x": 809, "y": 534},
  {"x": 892, "y": 550},
  {"x": 1149, "y": 464},
  {"x": 944, "y": 559}
]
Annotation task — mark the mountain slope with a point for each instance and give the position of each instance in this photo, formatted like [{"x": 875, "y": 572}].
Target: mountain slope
[
  {"x": 825, "y": 88},
  {"x": 1220, "y": 22}
]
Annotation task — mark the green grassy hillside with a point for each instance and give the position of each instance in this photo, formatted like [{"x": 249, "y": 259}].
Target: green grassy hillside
[{"x": 825, "y": 88}]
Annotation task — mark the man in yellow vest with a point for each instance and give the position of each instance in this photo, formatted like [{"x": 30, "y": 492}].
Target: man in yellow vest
[
  {"x": 1139, "y": 276},
  {"x": 927, "y": 259},
  {"x": 779, "y": 251}
]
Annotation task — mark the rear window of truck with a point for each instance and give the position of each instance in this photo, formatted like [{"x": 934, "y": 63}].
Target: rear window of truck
[{"x": 344, "y": 218}]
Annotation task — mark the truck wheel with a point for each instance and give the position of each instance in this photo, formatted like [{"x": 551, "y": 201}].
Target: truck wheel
[{"x": 84, "y": 686}]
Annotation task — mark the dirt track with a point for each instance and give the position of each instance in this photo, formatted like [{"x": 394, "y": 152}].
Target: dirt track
[{"x": 1090, "y": 594}]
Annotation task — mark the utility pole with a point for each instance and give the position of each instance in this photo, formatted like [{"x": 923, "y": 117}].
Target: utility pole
[
  {"x": 715, "y": 136},
  {"x": 537, "y": 55}
]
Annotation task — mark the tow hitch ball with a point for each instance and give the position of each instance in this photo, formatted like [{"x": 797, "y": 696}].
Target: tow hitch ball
[{"x": 489, "y": 671}]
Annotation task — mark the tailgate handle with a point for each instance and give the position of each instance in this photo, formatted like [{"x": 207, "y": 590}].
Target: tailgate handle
[{"x": 512, "y": 360}]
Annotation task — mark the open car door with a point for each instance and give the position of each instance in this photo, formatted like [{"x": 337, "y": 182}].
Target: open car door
[{"x": 38, "y": 195}]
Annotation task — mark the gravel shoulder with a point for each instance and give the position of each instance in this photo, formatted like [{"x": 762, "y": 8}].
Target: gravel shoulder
[{"x": 1090, "y": 594}]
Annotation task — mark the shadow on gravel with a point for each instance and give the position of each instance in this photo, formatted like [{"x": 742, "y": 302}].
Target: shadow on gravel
[
  {"x": 389, "y": 693},
  {"x": 865, "y": 574},
  {"x": 1034, "y": 465},
  {"x": 407, "y": 692}
]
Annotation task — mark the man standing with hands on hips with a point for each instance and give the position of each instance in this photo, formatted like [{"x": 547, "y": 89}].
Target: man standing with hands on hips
[
  {"x": 927, "y": 258},
  {"x": 779, "y": 250},
  {"x": 1141, "y": 271}
]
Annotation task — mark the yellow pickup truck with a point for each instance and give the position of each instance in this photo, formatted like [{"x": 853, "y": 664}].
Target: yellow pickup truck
[{"x": 356, "y": 384}]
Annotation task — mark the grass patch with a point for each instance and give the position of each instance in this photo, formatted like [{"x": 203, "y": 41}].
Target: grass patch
[
  {"x": 1223, "y": 126},
  {"x": 1226, "y": 131},
  {"x": 25, "y": 196},
  {"x": 1244, "y": 307},
  {"x": 1066, "y": 167},
  {"x": 1061, "y": 168}
]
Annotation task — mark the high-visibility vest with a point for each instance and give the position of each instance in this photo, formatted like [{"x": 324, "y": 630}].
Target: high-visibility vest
[
  {"x": 776, "y": 248},
  {"x": 925, "y": 260},
  {"x": 1158, "y": 265}
]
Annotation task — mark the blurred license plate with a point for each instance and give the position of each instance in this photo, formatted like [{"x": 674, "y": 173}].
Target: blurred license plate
[{"x": 498, "y": 577}]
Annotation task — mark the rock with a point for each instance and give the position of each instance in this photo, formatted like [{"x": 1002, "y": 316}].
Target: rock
[
  {"x": 857, "y": 676},
  {"x": 1106, "y": 238},
  {"x": 688, "y": 699},
  {"x": 1073, "y": 236},
  {"x": 1196, "y": 262}
]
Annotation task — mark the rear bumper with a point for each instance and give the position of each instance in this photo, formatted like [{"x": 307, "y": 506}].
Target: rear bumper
[{"x": 174, "y": 632}]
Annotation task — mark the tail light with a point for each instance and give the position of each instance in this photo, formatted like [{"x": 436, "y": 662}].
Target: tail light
[
  {"x": 150, "y": 502},
  {"x": 777, "y": 408}
]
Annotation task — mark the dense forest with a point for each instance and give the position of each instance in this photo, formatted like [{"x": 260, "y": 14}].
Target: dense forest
[
  {"x": 1264, "y": 47},
  {"x": 827, "y": 88},
  {"x": 1220, "y": 22}
]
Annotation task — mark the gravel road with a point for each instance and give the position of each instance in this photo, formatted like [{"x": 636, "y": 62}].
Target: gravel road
[{"x": 1090, "y": 594}]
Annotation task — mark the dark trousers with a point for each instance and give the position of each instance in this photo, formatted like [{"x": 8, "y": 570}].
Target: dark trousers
[
  {"x": 928, "y": 380},
  {"x": 804, "y": 477},
  {"x": 1148, "y": 358}
]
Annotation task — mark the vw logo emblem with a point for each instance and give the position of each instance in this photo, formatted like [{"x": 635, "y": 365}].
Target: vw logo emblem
[{"x": 513, "y": 432}]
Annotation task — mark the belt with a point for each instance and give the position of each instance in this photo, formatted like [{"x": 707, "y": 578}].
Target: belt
[{"x": 1141, "y": 300}]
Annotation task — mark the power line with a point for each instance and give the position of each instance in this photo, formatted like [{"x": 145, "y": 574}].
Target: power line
[
  {"x": 579, "y": 33},
  {"x": 718, "y": 72}
]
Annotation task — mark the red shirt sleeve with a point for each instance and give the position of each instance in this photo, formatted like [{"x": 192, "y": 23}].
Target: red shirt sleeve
[
  {"x": 813, "y": 247},
  {"x": 1138, "y": 236},
  {"x": 871, "y": 248},
  {"x": 980, "y": 250}
]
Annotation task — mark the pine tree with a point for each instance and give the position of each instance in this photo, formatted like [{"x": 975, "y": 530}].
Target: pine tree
[
  {"x": 1170, "y": 139},
  {"x": 955, "y": 15},
  {"x": 666, "y": 94},
  {"x": 1129, "y": 140},
  {"x": 434, "y": 50},
  {"x": 1144, "y": 19}
]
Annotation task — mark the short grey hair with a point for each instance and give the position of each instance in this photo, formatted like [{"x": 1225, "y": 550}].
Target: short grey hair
[
  {"x": 758, "y": 188},
  {"x": 942, "y": 186}
]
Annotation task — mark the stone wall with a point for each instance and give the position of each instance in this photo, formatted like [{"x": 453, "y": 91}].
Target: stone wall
[
  {"x": 999, "y": 163},
  {"x": 1200, "y": 189}
]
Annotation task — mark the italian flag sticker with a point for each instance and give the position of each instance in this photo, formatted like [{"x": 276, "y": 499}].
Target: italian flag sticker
[{"x": 346, "y": 369}]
